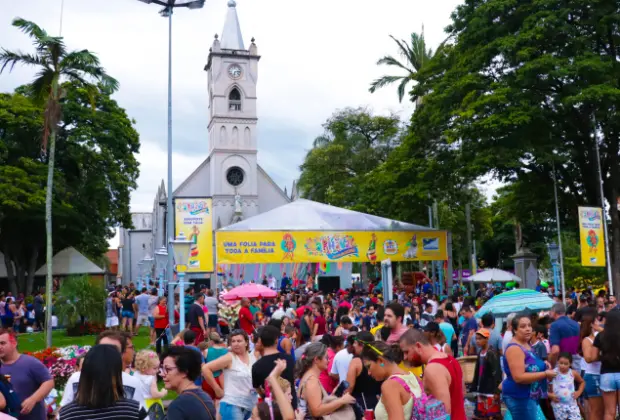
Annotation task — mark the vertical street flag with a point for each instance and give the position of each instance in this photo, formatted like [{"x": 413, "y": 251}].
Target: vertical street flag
[{"x": 591, "y": 237}]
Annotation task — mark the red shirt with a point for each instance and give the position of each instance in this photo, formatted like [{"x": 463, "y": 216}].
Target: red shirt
[
  {"x": 300, "y": 312},
  {"x": 246, "y": 320},
  {"x": 162, "y": 323},
  {"x": 456, "y": 387}
]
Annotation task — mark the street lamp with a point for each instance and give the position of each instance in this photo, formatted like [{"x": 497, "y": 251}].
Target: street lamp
[
  {"x": 169, "y": 5},
  {"x": 181, "y": 248},
  {"x": 148, "y": 269},
  {"x": 161, "y": 259},
  {"x": 140, "y": 273},
  {"x": 554, "y": 253}
]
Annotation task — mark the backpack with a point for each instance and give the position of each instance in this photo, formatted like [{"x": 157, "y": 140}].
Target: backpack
[
  {"x": 13, "y": 402},
  {"x": 425, "y": 407}
]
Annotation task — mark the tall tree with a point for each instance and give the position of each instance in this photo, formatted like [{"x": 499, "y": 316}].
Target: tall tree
[
  {"x": 413, "y": 56},
  {"x": 54, "y": 64},
  {"x": 95, "y": 171},
  {"x": 355, "y": 143},
  {"x": 527, "y": 86}
]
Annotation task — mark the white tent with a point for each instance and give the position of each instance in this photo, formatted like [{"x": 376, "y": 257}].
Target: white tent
[
  {"x": 69, "y": 262},
  {"x": 307, "y": 215},
  {"x": 493, "y": 275}
]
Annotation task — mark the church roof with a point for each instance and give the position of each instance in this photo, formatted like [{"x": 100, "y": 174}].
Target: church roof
[
  {"x": 68, "y": 262},
  {"x": 231, "y": 35},
  {"x": 305, "y": 214}
]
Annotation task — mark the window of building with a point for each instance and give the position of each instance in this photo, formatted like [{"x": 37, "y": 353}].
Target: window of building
[{"x": 234, "y": 100}]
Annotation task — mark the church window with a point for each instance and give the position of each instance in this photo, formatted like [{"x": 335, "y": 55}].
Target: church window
[
  {"x": 234, "y": 100},
  {"x": 235, "y": 176}
]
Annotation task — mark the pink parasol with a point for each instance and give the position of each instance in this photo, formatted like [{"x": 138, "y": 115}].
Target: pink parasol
[{"x": 250, "y": 291}]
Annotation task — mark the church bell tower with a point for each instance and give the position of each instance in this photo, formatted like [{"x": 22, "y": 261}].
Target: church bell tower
[{"x": 232, "y": 76}]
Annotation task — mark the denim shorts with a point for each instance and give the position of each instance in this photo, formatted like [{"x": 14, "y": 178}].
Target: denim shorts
[
  {"x": 152, "y": 321},
  {"x": 127, "y": 314},
  {"x": 610, "y": 382},
  {"x": 234, "y": 412},
  {"x": 593, "y": 385}
]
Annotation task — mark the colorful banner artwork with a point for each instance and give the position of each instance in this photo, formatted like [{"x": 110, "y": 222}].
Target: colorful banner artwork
[
  {"x": 592, "y": 237},
  {"x": 308, "y": 246},
  {"x": 193, "y": 217}
]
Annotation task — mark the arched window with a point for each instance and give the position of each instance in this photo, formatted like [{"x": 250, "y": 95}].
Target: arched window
[{"x": 234, "y": 100}]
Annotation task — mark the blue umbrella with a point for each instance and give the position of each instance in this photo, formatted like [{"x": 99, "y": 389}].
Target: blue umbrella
[{"x": 517, "y": 300}]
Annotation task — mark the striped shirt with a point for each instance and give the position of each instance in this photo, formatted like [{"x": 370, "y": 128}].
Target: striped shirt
[{"x": 123, "y": 409}]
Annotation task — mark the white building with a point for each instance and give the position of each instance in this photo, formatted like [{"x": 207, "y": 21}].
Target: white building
[{"x": 231, "y": 167}]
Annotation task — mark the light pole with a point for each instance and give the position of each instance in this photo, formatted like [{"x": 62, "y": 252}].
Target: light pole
[
  {"x": 169, "y": 6},
  {"x": 554, "y": 253},
  {"x": 161, "y": 259},
  {"x": 148, "y": 270},
  {"x": 181, "y": 247},
  {"x": 140, "y": 274}
]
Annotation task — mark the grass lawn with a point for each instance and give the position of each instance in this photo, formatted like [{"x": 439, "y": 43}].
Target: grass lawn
[{"x": 36, "y": 341}]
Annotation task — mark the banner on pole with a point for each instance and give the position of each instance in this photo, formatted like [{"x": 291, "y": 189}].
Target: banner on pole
[
  {"x": 592, "y": 237},
  {"x": 193, "y": 217},
  {"x": 315, "y": 247}
]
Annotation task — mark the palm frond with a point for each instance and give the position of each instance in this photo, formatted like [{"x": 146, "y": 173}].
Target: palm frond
[
  {"x": 391, "y": 61},
  {"x": 321, "y": 141},
  {"x": 401, "y": 88},
  {"x": 384, "y": 81},
  {"x": 11, "y": 58},
  {"x": 30, "y": 28},
  {"x": 87, "y": 64},
  {"x": 403, "y": 48},
  {"x": 41, "y": 86},
  {"x": 44, "y": 43}
]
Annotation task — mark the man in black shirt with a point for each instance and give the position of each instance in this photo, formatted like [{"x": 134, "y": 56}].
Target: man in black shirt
[
  {"x": 267, "y": 345},
  {"x": 196, "y": 318}
]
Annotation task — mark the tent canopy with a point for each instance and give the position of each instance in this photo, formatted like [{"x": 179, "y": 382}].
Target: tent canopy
[
  {"x": 69, "y": 262},
  {"x": 307, "y": 215}
]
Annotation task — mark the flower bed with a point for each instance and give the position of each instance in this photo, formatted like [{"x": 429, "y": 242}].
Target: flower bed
[{"x": 60, "y": 362}]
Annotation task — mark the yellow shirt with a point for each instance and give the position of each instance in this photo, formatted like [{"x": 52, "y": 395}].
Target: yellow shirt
[{"x": 417, "y": 371}]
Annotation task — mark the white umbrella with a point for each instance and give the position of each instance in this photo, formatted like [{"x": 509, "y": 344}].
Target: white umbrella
[{"x": 493, "y": 274}]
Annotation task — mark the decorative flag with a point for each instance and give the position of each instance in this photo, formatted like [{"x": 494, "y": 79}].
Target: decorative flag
[
  {"x": 592, "y": 237},
  {"x": 340, "y": 266}
]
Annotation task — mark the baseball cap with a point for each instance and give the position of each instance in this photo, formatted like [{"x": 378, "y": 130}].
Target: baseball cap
[
  {"x": 484, "y": 332},
  {"x": 431, "y": 327}
]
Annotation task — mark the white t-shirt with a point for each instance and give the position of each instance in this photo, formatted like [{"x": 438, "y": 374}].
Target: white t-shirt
[
  {"x": 506, "y": 340},
  {"x": 145, "y": 383},
  {"x": 340, "y": 367},
  {"x": 133, "y": 389},
  {"x": 434, "y": 305}
]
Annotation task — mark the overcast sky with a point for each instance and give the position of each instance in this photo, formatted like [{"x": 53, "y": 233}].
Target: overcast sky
[{"x": 317, "y": 56}]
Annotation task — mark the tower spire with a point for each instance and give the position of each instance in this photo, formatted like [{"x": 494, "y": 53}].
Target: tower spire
[{"x": 231, "y": 35}]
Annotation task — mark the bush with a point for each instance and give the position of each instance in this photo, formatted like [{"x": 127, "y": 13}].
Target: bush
[{"x": 80, "y": 299}]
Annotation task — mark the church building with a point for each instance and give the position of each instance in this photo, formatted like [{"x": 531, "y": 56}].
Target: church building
[{"x": 230, "y": 174}]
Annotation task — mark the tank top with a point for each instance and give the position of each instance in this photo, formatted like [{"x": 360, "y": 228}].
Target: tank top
[
  {"x": 593, "y": 368},
  {"x": 414, "y": 388},
  {"x": 161, "y": 323},
  {"x": 564, "y": 386},
  {"x": 281, "y": 350},
  {"x": 456, "y": 386},
  {"x": 215, "y": 353},
  {"x": 533, "y": 363},
  {"x": 238, "y": 389},
  {"x": 367, "y": 386}
]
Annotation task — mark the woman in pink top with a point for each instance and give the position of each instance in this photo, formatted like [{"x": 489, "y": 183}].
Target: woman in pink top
[{"x": 334, "y": 345}]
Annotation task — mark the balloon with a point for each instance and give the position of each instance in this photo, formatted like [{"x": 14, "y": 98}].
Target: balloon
[{"x": 544, "y": 284}]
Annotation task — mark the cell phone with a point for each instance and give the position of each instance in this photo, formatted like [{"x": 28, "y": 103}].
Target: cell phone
[{"x": 339, "y": 392}]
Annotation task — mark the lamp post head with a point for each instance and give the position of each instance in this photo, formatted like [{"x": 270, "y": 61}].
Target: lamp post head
[
  {"x": 161, "y": 258},
  {"x": 554, "y": 252},
  {"x": 181, "y": 247}
]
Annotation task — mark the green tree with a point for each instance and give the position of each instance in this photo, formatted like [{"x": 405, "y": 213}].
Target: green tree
[
  {"x": 355, "y": 142},
  {"x": 95, "y": 172},
  {"x": 414, "y": 56},
  {"x": 80, "y": 296},
  {"x": 55, "y": 64},
  {"x": 527, "y": 86}
]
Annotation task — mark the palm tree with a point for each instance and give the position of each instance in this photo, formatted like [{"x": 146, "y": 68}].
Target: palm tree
[
  {"x": 414, "y": 56},
  {"x": 55, "y": 66}
]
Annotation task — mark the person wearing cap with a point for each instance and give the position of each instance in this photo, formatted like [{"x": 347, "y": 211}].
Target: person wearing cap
[{"x": 487, "y": 377}]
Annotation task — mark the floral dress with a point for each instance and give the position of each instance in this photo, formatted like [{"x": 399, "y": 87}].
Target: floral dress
[{"x": 563, "y": 388}]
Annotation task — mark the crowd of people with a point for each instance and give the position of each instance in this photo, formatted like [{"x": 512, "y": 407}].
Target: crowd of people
[{"x": 342, "y": 355}]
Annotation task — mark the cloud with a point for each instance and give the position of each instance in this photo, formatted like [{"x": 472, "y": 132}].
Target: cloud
[{"x": 316, "y": 57}]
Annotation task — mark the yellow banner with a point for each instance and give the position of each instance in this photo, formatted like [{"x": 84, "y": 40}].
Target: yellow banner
[
  {"x": 193, "y": 217},
  {"x": 309, "y": 246},
  {"x": 592, "y": 237}
]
